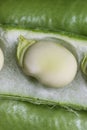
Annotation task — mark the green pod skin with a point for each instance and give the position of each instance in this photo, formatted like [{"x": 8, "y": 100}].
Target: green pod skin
[
  {"x": 21, "y": 115},
  {"x": 57, "y": 15}
]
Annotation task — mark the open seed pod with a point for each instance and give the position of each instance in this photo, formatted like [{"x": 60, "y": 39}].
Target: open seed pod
[{"x": 37, "y": 20}]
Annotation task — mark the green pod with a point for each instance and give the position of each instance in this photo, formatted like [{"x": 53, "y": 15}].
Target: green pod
[
  {"x": 57, "y": 15},
  {"x": 54, "y": 19},
  {"x": 21, "y": 115}
]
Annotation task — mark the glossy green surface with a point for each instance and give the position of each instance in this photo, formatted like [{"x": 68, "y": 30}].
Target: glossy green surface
[
  {"x": 65, "y": 15},
  {"x": 21, "y": 115}
]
